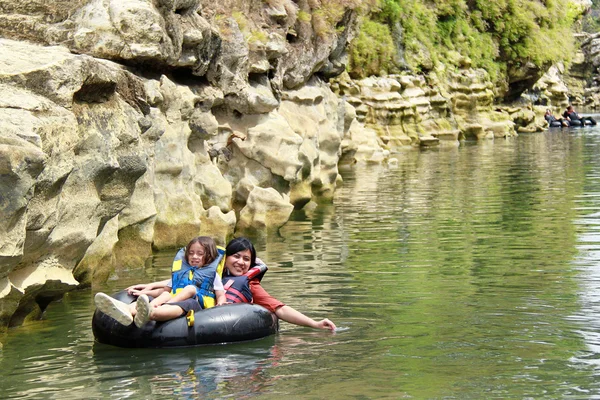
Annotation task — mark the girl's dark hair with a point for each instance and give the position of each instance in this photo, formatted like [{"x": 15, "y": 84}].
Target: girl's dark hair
[
  {"x": 240, "y": 244},
  {"x": 209, "y": 245}
]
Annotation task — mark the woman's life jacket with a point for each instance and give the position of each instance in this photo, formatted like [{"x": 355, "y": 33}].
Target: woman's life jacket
[
  {"x": 237, "y": 288},
  {"x": 183, "y": 274}
]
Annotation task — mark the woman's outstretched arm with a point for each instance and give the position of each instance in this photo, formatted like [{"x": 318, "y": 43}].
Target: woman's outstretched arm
[{"x": 288, "y": 314}]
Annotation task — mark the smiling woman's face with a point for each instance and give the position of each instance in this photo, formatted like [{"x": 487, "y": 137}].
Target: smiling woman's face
[{"x": 239, "y": 263}]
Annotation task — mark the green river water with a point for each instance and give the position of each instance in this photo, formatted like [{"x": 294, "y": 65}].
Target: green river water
[{"x": 459, "y": 273}]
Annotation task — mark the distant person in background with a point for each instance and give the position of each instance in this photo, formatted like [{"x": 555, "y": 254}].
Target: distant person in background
[
  {"x": 553, "y": 121},
  {"x": 575, "y": 118}
]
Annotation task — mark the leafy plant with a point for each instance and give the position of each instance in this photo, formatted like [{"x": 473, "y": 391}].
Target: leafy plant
[{"x": 373, "y": 50}]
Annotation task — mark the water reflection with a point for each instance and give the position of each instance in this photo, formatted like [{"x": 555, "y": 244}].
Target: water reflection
[{"x": 188, "y": 373}]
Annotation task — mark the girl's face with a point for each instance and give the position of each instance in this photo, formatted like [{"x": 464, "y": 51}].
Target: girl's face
[
  {"x": 196, "y": 255},
  {"x": 239, "y": 263}
]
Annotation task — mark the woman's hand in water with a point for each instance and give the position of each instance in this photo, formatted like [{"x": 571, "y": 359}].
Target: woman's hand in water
[
  {"x": 288, "y": 314},
  {"x": 326, "y": 324}
]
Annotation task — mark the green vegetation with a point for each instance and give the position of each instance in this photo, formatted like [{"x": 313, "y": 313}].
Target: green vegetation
[
  {"x": 254, "y": 36},
  {"x": 241, "y": 20},
  {"x": 257, "y": 38},
  {"x": 327, "y": 15},
  {"x": 494, "y": 35},
  {"x": 303, "y": 16},
  {"x": 373, "y": 50}
]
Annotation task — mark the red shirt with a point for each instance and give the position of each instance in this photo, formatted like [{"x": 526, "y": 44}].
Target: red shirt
[{"x": 262, "y": 298}]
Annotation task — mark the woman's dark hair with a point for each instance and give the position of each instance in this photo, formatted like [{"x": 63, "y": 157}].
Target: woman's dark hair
[
  {"x": 209, "y": 246},
  {"x": 240, "y": 244}
]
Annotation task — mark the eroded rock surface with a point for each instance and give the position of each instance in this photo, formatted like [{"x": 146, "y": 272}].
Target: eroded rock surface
[{"x": 409, "y": 110}]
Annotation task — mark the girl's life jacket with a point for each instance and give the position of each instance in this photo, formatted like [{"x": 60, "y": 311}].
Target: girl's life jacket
[
  {"x": 237, "y": 288},
  {"x": 183, "y": 274}
]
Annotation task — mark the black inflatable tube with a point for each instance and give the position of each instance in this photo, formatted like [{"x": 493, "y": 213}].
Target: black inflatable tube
[
  {"x": 225, "y": 324},
  {"x": 574, "y": 123}
]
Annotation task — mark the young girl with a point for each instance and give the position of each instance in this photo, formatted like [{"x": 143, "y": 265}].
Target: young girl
[{"x": 194, "y": 284}]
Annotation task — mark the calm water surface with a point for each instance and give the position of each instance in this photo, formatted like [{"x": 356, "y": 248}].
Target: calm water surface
[{"x": 470, "y": 272}]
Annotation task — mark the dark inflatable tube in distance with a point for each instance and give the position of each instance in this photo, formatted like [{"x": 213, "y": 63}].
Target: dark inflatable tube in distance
[
  {"x": 225, "y": 324},
  {"x": 575, "y": 123}
]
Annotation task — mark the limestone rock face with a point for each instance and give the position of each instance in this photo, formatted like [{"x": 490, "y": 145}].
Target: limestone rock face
[
  {"x": 521, "y": 78},
  {"x": 249, "y": 49},
  {"x": 73, "y": 165},
  {"x": 472, "y": 104},
  {"x": 265, "y": 208},
  {"x": 551, "y": 89},
  {"x": 21, "y": 162},
  {"x": 578, "y": 84},
  {"x": 408, "y": 110},
  {"x": 586, "y": 66}
]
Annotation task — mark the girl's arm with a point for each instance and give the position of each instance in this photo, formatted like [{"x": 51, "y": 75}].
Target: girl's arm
[
  {"x": 153, "y": 289},
  {"x": 161, "y": 299},
  {"x": 220, "y": 297},
  {"x": 219, "y": 290},
  {"x": 157, "y": 292}
]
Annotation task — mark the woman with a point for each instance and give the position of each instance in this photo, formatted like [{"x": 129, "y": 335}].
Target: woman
[{"x": 240, "y": 256}]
